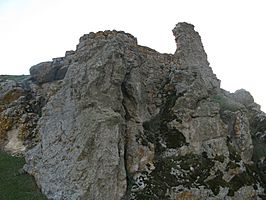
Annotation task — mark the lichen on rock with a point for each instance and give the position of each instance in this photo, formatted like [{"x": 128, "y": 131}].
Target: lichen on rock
[{"x": 116, "y": 120}]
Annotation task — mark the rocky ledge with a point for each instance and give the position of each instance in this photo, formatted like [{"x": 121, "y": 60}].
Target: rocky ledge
[{"x": 119, "y": 121}]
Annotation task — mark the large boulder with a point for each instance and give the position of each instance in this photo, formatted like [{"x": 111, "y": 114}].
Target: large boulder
[
  {"x": 242, "y": 96},
  {"x": 50, "y": 71},
  {"x": 43, "y": 72}
]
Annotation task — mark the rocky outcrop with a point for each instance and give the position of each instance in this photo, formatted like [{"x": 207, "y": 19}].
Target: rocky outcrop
[
  {"x": 191, "y": 54},
  {"x": 122, "y": 121},
  {"x": 21, "y": 103},
  {"x": 19, "y": 115},
  {"x": 49, "y": 71}
]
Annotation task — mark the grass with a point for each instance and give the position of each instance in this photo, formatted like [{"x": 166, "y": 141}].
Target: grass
[
  {"x": 14, "y": 77},
  {"x": 14, "y": 185}
]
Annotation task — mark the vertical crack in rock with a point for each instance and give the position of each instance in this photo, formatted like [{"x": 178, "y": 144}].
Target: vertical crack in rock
[
  {"x": 87, "y": 116},
  {"x": 127, "y": 117},
  {"x": 122, "y": 121},
  {"x": 156, "y": 130}
]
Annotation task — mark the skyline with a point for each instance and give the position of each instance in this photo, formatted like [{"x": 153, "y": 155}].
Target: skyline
[{"x": 233, "y": 33}]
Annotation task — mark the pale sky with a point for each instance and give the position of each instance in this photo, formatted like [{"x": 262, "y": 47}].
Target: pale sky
[{"x": 233, "y": 32}]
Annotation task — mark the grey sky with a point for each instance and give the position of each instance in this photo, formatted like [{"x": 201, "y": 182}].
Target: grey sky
[{"x": 233, "y": 32}]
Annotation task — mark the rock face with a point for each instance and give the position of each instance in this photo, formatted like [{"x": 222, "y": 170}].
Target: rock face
[
  {"x": 20, "y": 110},
  {"x": 49, "y": 71},
  {"x": 120, "y": 121}
]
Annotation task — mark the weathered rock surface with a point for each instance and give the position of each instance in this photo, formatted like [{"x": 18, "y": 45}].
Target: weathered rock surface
[
  {"x": 49, "y": 71},
  {"x": 20, "y": 111},
  {"x": 119, "y": 121}
]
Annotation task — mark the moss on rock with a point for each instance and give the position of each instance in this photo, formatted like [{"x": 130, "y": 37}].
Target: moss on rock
[
  {"x": 226, "y": 103},
  {"x": 5, "y": 125},
  {"x": 11, "y": 96}
]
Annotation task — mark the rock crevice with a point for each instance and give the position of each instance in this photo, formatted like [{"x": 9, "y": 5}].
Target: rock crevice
[{"x": 116, "y": 120}]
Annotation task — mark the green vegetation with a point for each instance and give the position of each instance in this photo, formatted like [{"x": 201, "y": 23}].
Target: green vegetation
[
  {"x": 195, "y": 169},
  {"x": 11, "y": 96},
  {"x": 193, "y": 172},
  {"x": 216, "y": 183},
  {"x": 227, "y": 103},
  {"x": 259, "y": 151},
  {"x": 13, "y": 184},
  {"x": 258, "y": 127},
  {"x": 13, "y": 77}
]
